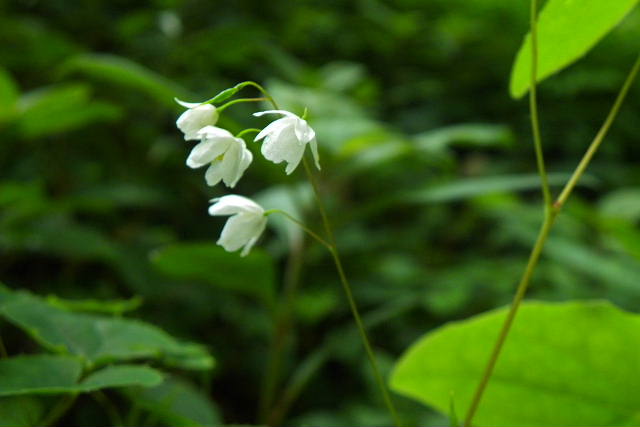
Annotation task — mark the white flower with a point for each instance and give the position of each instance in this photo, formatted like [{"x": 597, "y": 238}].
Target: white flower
[
  {"x": 285, "y": 139},
  {"x": 195, "y": 118},
  {"x": 227, "y": 156},
  {"x": 245, "y": 225}
]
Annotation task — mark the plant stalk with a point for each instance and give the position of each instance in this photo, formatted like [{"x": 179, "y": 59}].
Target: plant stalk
[{"x": 349, "y": 294}]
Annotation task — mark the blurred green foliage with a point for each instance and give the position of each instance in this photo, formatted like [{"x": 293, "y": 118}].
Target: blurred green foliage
[{"x": 427, "y": 172}]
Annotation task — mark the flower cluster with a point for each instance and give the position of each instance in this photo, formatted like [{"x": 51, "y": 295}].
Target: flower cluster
[{"x": 227, "y": 158}]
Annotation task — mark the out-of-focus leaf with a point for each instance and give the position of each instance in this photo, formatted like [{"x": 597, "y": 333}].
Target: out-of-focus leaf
[
  {"x": 96, "y": 306},
  {"x": 567, "y": 29},
  {"x": 472, "y": 187},
  {"x": 467, "y": 135},
  {"x": 8, "y": 96},
  {"x": 208, "y": 263},
  {"x": 177, "y": 403},
  {"x": 586, "y": 375},
  {"x": 123, "y": 72},
  {"x": 97, "y": 339},
  {"x": 622, "y": 204},
  {"x": 60, "y": 109},
  {"x": 121, "y": 376},
  {"x": 20, "y": 411},
  {"x": 37, "y": 374}
]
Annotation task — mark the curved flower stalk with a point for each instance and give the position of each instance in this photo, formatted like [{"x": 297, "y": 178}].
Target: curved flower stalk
[
  {"x": 285, "y": 139},
  {"x": 226, "y": 155},
  {"x": 244, "y": 227},
  {"x": 195, "y": 118}
]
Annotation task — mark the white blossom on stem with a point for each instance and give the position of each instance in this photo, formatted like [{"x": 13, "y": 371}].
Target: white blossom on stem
[
  {"x": 195, "y": 118},
  {"x": 286, "y": 138},
  {"x": 226, "y": 155},
  {"x": 244, "y": 227}
]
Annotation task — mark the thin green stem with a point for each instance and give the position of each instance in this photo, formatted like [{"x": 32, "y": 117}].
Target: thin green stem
[
  {"x": 301, "y": 225},
  {"x": 223, "y": 107},
  {"x": 282, "y": 325},
  {"x": 265, "y": 93},
  {"x": 246, "y": 131},
  {"x": 349, "y": 294},
  {"x": 549, "y": 220},
  {"x": 586, "y": 159},
  {"x": 533, "y": 106}
]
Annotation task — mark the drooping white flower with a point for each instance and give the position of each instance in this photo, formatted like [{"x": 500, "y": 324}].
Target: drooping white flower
[
  {"x": 195, "y": 118},
  {"x": 285, "y": 139},
  {"x": 245, "y": 226},
  {"x": 226, "y": 155}
]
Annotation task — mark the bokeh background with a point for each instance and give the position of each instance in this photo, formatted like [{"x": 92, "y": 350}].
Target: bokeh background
[{"x": 428, "y": 174}]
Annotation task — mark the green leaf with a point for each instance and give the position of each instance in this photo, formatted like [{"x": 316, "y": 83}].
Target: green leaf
[
  {"x": 59, "y": 109},
  {"x": 50, "y": 374},
  {"x": 121, "y": 376},
  {"x": 97, "y": 339},
  {"x": 118, "y": 306},
  {"x": 20, "y": 411},
  {"x": 563, "y": 364},
  {"x": 567, "y": 29},
  {"x": 177, "y": 403},
  {"x": 8, "y": 95},
  {"x": 472, "y": 187},
  {"x": 209, "y": 263},
  {"x": 123, "y": 72},
  {"x": 39, "y": 374}
]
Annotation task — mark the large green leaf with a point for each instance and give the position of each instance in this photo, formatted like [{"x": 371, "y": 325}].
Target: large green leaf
[
  {"x": 47, "y": 374},
  {"x": 20, "y": 411},
  {"x": 205, "y": 262},
  {"x": 123, "y": 72},
  {"x": 97, "y": 339},
  {"x": 59, "y": 109},
  {"x": 567, "y": 29},
  {"x": 176, "y": 402},
  {"x": 566, "y": 364}
]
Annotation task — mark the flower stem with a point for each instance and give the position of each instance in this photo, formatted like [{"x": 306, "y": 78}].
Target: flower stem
[
  {"x": 223, "y": 107},
  {"x": 264, "y": 92},
  {"x": 586, "y": 159},
  {"x": 549, "y": 220},
  {"x": 246, "y": 131},
  {"x": 349, "y": 294},
  {"x": 533, "y": 106}
]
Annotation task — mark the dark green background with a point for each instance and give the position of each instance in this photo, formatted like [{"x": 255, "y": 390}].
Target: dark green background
[{"x": 428, "y": 172}]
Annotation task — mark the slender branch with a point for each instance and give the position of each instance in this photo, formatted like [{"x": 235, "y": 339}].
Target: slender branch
[
  {"x": 549, "y": 220},
  {"x": 352, "y": 303},
  {"x": 223, "y": 107},
  {"x": 265, "y": 93},
  {"x": 282, "y": 325},
  {"x": 246, "y": 131},
  {"x": 533, "y": 106},
  {"x": 586, "y": 159}
]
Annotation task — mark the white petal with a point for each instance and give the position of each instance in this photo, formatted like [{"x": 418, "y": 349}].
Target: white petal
[
  {"x": 253, "y": 240},
  {"x": 206, "y": 152},
  {"x": 231, "y": 164},
  {"x": 314, "y": 151},
  {"x": 304, "y": 131},
  {"x": 294, "y": 161},
  {"x": 283, "y": 112},
  {"x": 245, "y": 161},
  {"x": 214, "y": 132},
  {"x": 240, "y": 230},
  {"x": 233, "y": 204},
  {"x": 272, "y": 128},
  {"x": 187, "y": 104},
  {"x": 213, "y": 174},
  {"x": 191, "y": 121}
]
